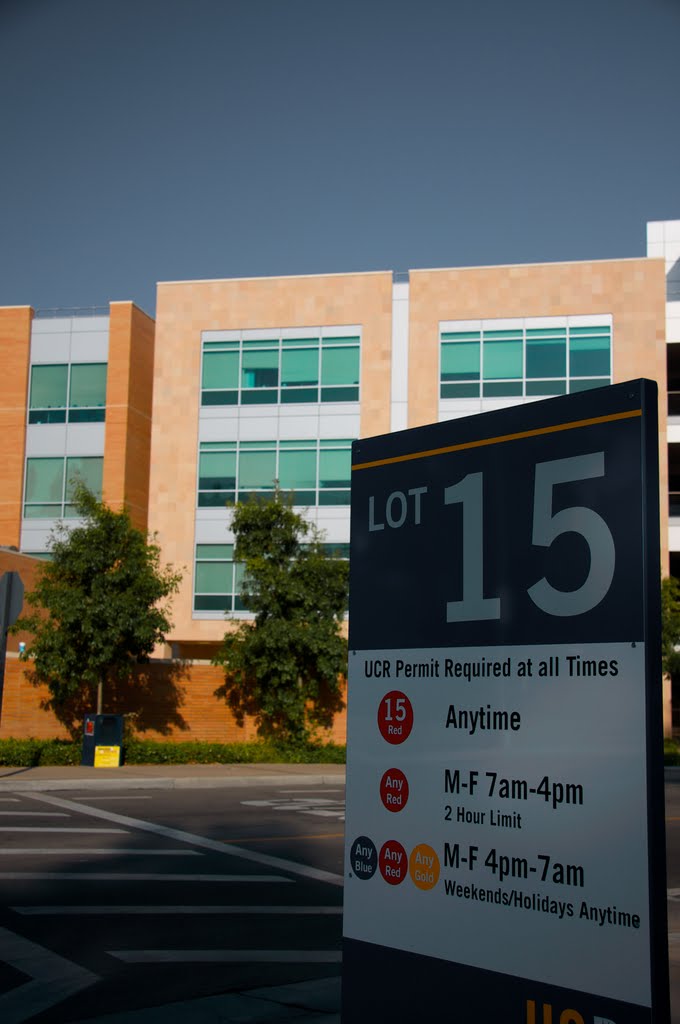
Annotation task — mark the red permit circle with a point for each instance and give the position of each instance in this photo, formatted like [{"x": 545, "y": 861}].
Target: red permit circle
[
  {"x": 395, "y": 717},
  {"x": 394, "y": 790},
  {"x": 393, "y": 862}
]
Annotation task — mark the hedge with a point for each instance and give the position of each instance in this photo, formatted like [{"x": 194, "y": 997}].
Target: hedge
[{"x": 30, "y": 753}]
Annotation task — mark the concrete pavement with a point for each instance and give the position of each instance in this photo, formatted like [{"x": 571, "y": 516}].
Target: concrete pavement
[
  {"x": 309, "y": 1002},
  {"x": 151, "y": 776},
  {"x": 313, "y": 1002}
]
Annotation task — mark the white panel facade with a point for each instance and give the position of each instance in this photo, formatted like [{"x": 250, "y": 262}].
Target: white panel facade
[{"x": 399, "y": 378}]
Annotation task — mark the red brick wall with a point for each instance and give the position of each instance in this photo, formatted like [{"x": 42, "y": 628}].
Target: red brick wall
[{"x": 169, "y": 702}]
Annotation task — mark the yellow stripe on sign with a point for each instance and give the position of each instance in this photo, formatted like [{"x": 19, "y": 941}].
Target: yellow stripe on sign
[{"x": 484, "y": 442}]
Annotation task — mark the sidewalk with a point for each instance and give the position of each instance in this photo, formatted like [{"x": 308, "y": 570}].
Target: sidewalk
[
  {"x": 152, "y": 776},
  {"x": 308, "y": 1002}
]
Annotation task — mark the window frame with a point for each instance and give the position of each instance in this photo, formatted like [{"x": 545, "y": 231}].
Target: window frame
[
  {"x": 567, "y": 331},
  {"x": 321, "y": 495},
  {"x": 66, "y": 412},
  {"x": 324, "y": 342},
  {"x": 62, "y": 508}
]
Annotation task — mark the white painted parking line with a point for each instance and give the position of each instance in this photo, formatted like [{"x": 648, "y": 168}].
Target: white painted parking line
[
  {"x": 228, "y": 956},
  {"x": 120, "y": 876},
  {"x": 321, "y": 812},
  {"x": 9, "y": 800},
  {"x": 54, "y": 978},
  {"x": 117, "y": 796},
  {"x": 65, "y": 829},
  {"x": 71, "y": 911},
  {"x": 97, "y": 851},
  {"x": 322, "y": 807},
  {"x": 35, "y": 814},
  {"x": 264, "y": 859}
]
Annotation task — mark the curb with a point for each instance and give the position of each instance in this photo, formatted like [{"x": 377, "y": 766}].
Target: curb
[{"x": 16, "y": 783}]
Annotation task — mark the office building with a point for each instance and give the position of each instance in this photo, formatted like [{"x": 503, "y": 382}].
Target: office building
[{"x": 244, "y": 382}]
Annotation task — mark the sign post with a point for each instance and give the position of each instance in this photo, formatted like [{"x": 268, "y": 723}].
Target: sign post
[
  {"x": 505, "y": 856},
  {"x": 11, "y": 601}
]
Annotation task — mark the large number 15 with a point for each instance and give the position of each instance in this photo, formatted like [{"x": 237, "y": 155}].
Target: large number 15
[{"x": 546, "y": 528}]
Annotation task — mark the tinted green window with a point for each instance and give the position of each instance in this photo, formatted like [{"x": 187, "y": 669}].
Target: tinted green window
[
  {"x": 214, "y": 577},
  {"x": 340, "y": 366},
  {"x": 334, "y": 468},
  {"x": 88, "y": 385},
  {"x": 87, "y": 470},
  {"x": 257, "y": 470},
  {"x": 536, "y": 361},
  {"x": 460, "y": 361},
  {"x": 460, "y": 390},
  {"x": 546, "y": 357},
  {"x": 588, "y": 353},
  {"x": 260, "y": 369},
  {"x": 502, "y": 388},
  {"x": 44, "y": 480},
  {"x": 297, "y": 470},
  {"x": 83, "y": 470},
  {"x": 299, "y": 366},
  {"x": 585, "y": 385},
  {"x": 215, "y": 551},
  {"x": 340, "y": 394},
  {"x": 291, "y": 395},
  {"x": 48, "y": 387},
  {"x": 220, "y": 370},
  {"x": 546, "y": 387},
  {"x": 285, "y": 371},
  {"x": 217, "y": 470},
  {"x": 502, "y": 359},
  {"x": 293, "y": 463}
]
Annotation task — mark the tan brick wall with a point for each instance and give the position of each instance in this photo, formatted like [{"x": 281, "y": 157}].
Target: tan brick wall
[
  {"x": 15, "y": 347},
  {"x": 187, "y": 308},
  {"x": 129, "y": 390},
  {"x": 632, "y": 291}
]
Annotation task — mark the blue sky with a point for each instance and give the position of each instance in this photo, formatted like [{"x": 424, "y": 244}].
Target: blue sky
[{"x": 147, "y": 140}]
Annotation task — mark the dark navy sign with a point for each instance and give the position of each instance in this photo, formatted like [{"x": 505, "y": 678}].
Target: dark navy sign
[
  {"x": 497, "y": 538},
  {"x": 505, "y": 719}
]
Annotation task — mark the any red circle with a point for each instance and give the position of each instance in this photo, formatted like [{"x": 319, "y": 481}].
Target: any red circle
[
  {"x": 395, "y": 717},
  {"x": 394, "y": 789},
  {"x": 393, "y": 862}
]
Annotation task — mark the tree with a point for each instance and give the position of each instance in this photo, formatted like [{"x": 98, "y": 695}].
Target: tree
[
  {"x": 670, "y": 624},
  {"x": 97, "y": 605},
  {"x": 284, "y": 668}
]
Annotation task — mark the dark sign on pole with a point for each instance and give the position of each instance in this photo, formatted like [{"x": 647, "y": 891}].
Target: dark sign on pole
[
  {"x": 505, "y": 851},
  {"x": 11, "y": 601}
]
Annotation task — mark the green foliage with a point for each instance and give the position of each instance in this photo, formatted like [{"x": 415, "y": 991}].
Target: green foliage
[
  {"x": 151, "y": 752},
  {"x": 31, "y": 753},
  {"x": 670, "y": 624},
  {"x": 97, "y": 607},
  {"x": 671, "y": 753},
  {"x": 285, "y": 668}
]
